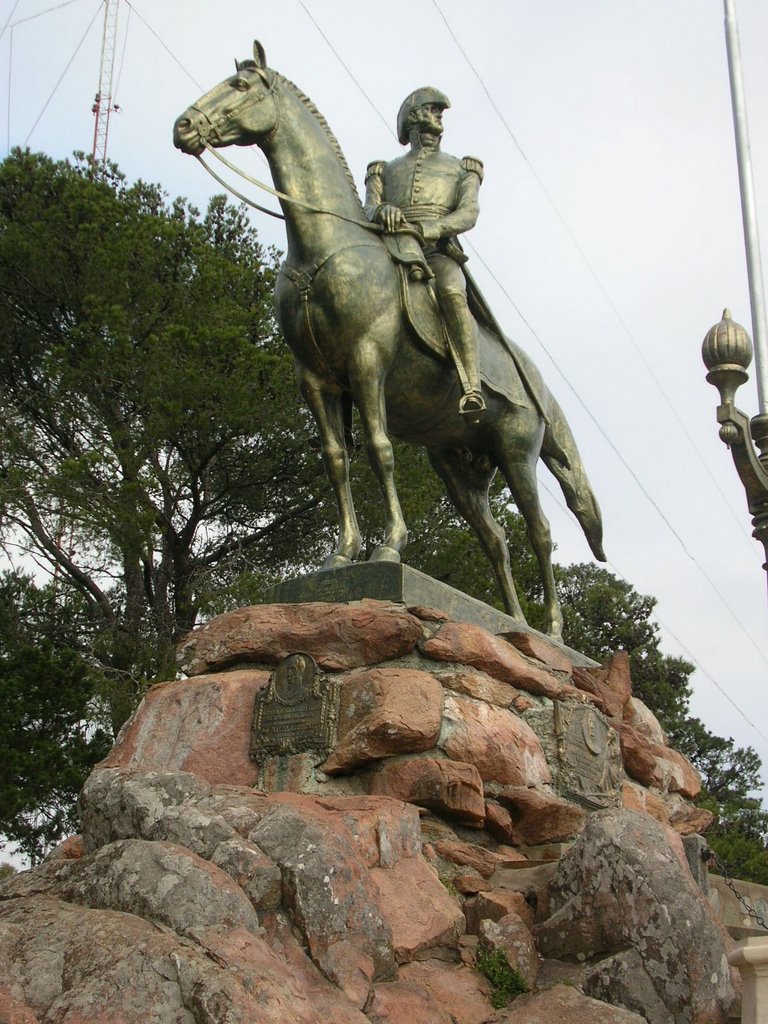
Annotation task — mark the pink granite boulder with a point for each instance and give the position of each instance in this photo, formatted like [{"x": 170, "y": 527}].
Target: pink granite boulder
[
  {"x": 500, "y": 744},
  {"x": 338, "y": 636},
  {"x": 383, "y": 712},
  {"x": 200, "y": 725},
  {"x": 446, "y": 787},
  {"x": 474, "y": 646}
]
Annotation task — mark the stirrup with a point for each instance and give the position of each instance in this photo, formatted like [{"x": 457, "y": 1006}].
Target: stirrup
[{"x": 472, "y": 405}]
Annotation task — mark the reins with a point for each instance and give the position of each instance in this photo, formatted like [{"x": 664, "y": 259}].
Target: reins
[{"x": 376, "y": 228}]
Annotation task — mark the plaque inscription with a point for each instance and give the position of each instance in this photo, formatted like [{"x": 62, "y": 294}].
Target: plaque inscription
[
  {"x": 297, "y": 711},
  {"x": 589, "y": 761}
]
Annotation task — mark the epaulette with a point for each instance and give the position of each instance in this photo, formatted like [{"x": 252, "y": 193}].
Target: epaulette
[
  {"x": 375, "y": 167},
  {"x": 471, "y": 163}
]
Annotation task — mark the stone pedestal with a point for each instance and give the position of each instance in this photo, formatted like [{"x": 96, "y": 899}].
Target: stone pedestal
[
  {"x": 342, "y": 806},
  {"x": 390, "y": 581},
  {"x": 751, "y": 958}
]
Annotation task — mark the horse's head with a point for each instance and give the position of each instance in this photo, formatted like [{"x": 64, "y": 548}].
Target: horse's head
[{"x": 239, "y": 111}]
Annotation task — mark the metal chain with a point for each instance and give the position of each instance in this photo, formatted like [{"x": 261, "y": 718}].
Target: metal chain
[{"x": 726, "y": 878}]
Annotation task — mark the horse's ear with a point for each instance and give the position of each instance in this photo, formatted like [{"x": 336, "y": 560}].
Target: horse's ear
[
  {"x": 238, "y": 65},
  {"x": 259, "y": 55}
]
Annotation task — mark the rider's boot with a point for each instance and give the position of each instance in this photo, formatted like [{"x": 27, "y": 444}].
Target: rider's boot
[{"x": 463, "y": 333}]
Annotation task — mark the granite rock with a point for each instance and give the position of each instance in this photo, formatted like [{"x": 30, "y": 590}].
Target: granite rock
[
  {"x": 447, "y": 787},
  {"x": 623, "y": 888},
  {"x": 338, "y": 636},
  {"x": 383, "y": 712},
  {"x": 564, "y": 1004},
  {"x": 198, "y": 725},
  {"x": 474, "y": 646},
  {"x": 503, "y": 747}
]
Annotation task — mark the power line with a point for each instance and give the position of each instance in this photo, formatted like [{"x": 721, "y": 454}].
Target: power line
[
  {"x": 654, "y": 614},
  {"x": 176, "y": 61},
  {"x": 61, "y": 76},
  {"x": 122, "y": 55},
  {"x": 594, "y": 275},
  {"x": 31, "y": 17},
  {"x": 167, "y": 49},
  {"x": 592, "y": 417},
  {"x": 8, "y": 19},
  {"x": 341, "y": 61}
]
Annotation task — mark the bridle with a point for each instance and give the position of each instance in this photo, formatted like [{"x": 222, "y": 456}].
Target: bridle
[{"x": 213, "y": 127}]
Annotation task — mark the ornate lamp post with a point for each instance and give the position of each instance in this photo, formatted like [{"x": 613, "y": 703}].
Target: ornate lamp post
[{"x": 727, "y": 352}]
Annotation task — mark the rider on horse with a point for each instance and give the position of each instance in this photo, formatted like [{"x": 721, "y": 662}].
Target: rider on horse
[{"x": 436, "y": 193}]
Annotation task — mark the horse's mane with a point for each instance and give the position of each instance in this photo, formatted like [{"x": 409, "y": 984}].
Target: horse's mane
[{"x": 326, "y": 128}]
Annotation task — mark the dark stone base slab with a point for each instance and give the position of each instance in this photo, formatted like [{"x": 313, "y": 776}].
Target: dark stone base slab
[{"x": 391, "y": 581}]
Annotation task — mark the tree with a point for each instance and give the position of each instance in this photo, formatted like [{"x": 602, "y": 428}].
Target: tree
[
  {"x": 604, "y": 614},
  {"x": 730, "y": 775},
  {"x": 49, "y": 712},
  {"x": 154, "y": 447}
]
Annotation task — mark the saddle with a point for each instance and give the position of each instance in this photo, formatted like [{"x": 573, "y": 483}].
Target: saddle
[{"x": 419, "y": 302}]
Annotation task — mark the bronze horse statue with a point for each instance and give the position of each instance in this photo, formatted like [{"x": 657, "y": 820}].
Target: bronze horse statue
[{"x": 339, "y": 306}]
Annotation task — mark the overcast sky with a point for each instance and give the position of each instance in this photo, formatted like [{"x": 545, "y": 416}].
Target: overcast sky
[{"x": 610, "y": 216}]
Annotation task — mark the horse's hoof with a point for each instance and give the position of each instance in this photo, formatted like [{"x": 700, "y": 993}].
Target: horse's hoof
[
  {"x": 384, "y": 554},
  {"x": 336, "y": 561}
]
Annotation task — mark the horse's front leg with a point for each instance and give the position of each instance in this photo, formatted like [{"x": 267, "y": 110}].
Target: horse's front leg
[
  {"x": 367, "y": 386},
  {"x": 326, "y": 408}
]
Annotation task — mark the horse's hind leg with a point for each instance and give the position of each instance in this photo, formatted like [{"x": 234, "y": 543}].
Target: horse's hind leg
[
  {"x": 328, "y": 412},
  {"x": 520, "y": 473},
  {"x": 467, "y": 480}
]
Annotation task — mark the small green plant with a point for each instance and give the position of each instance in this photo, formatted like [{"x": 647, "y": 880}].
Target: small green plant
[
  {"x": 507, "y": 981},
  {"x": 450, "y": 886}
]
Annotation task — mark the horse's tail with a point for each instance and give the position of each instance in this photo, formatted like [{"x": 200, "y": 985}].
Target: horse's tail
[{"x": 562, "y": 459}]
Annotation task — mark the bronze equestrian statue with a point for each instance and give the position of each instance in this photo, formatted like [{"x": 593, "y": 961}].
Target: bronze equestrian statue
[{"x": 354, "y": 318}]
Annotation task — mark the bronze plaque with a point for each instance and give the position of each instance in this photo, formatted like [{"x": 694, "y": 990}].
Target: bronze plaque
[
  {"x": 297, "y": 711},
  {"x": 589, "y": 759}
]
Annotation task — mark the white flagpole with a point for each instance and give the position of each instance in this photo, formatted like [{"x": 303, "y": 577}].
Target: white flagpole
[{"x": 749, "y": 217}]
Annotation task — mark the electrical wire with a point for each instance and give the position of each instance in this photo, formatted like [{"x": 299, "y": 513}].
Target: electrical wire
[
  {"x": 341, "y": 61},
  {"x": 122, "y": 56},
  {"x": 10, "y": 82},
  {"x": 176, "y": 61},
  {"x": 604, "y": 291},
  {"x": 39, "y": 14},
  {"x": 634, "y": 476},
  {"x": 167, "y": 48},
  {"x": 8, "y": 19},
  {"x": 61, "y": 76}
]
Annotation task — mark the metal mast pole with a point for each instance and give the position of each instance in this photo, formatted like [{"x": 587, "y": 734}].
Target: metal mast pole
[
  {"x": 102, "y": 105},
  {"x": 749, "y": 217}
]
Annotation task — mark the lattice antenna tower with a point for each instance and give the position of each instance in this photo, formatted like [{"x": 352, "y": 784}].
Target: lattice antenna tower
[{"x": 102, "y": 104}]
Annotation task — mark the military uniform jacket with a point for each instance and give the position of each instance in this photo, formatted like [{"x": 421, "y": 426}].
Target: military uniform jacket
[{"x": 432, "y": 188}]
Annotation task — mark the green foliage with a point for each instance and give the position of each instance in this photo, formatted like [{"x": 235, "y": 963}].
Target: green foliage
[
  {"x": 604, "y": 614},
  {"x": 49, "y": 731},
  {"x": 507, "y": 981},
  {"x": 154, "y": 449},
  {"x": 730, "y": 774},
  {"x": 450, "y": 886},
  {"x": 6, "y": 871}
]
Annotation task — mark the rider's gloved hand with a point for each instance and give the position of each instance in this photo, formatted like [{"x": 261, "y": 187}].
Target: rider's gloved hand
[{"x": 390, "y": 217}]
